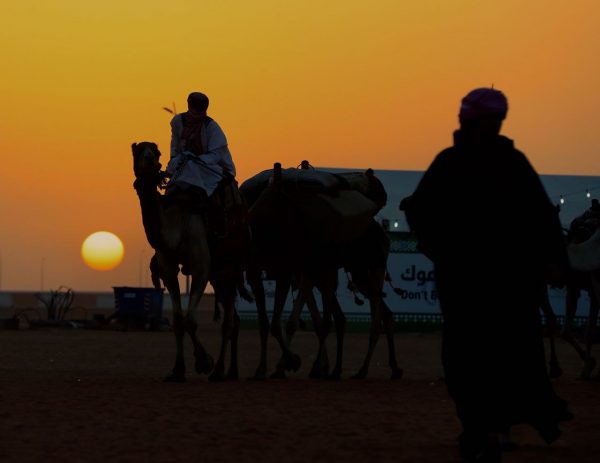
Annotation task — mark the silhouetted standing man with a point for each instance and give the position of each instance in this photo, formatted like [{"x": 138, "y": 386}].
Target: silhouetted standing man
[{"x": 482, "y": 216}]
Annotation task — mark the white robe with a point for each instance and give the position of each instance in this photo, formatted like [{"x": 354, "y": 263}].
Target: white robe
[{"x": 206, "y": 170}]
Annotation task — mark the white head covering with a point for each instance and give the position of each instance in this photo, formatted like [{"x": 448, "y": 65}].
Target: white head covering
[{"x": 483, "y": 102}]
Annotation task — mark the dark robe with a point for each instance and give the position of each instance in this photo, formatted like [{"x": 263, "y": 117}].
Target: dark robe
[{"x": 482, "y": 216}]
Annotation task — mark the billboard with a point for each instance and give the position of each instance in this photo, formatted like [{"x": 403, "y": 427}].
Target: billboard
[{"x": 410, "y": 287}]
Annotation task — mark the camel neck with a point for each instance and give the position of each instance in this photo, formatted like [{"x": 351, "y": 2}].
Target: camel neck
[{"x": 150, "y": 203}]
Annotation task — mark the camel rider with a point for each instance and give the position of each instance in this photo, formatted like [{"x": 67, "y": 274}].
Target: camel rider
[
  {"x": 201, "y": 168},
  {"x": 199, "y": 153}
]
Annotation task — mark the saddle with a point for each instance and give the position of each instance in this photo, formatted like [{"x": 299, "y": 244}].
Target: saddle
[
  {"x": 325, "y": 209},
  {"x": 228, "y": 224},
  {"x": 225, "y": 215},
  {"x": 292, "y": 180},
  {"x": 585, "y": 256}
]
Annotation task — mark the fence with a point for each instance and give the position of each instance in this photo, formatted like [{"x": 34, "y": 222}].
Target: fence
[{"x": 403, "y": 322}]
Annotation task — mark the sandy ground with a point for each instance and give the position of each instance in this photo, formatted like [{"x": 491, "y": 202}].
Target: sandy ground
[{"x": 74, "y": 395}]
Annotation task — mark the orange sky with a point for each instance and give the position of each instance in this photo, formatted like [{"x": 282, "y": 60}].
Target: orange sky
[{"x": 341, "y": 83}]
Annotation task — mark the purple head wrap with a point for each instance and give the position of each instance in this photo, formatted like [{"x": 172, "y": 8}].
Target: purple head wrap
[{"x": 483, "y": 102}]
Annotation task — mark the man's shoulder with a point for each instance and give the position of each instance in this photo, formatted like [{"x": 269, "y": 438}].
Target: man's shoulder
[
  {"x": 445, "y": 154},
  {"x": 447, "y": 151},
  {"x": 177, "y": 119},
  {"x": 212, "y": 126},
  {"x": 508, "y": 145},
  {"x": 510, "y": 151},
  {"x": 210, "y": 122}
]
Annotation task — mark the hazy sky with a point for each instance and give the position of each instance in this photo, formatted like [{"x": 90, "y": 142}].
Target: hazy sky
[{"x": 340, "y": 83}]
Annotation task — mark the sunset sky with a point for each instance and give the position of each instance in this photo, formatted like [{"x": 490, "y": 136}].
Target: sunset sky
[{"x": 341, "y": 83}]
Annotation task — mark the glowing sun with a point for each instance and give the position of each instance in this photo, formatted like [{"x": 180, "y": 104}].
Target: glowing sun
[{"x": 102, "y": 250}]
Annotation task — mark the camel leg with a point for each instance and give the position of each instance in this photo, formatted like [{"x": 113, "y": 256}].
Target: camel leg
[
  {"x": 258, "y": 290},
  {"x": 290, "y": 329},
  {"x": 320, "y": 368},
  {"x": 233, "y": 373},
  {"x": 228, "y": 301},
  {"x": 593, "y": 322},
  {"x": 322, "y": 362},
  {"x": 375, "y": 330},
  {"x": 204, "y": 363},
  {"x": 154, "y": 271},
  {"x": 571, "y": 300},
  {"x": 315, "y": 315},
  {"x": 290, "y": 360},
  {"x": 282, "y": 289},
  {"x": 572, "y": 297},
  {"x": 327, "y": 286},
  {"x": 340, "y": 329},
  {"x": 388, "y": 324},
  {"x": 306, "y": 297},
  {"x": 172, "y": 285},
  {"x": 590, "y": 362},
  {"x": 178, "y": 373},
  {"x": 303, "y": 299},
  {"x": 370, "y": 283},
  {"x": 292, "y": 324},
  {"x": 554, "y": 369}
]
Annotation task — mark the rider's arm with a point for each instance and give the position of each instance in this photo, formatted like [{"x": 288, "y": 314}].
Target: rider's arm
[
  {"x": 176, "y": 154},
  {"x": 217, "y": 151}
]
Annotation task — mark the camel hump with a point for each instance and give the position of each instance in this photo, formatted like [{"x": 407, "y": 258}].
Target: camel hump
[
  {"x": 293, "y": 180},
  {"x": 318, "y": 217},
  {"x": 337, "y": 219},
  {"x": 585, "y": 256}
]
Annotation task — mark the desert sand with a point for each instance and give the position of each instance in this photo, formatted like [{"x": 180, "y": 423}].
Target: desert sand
[{"x": 79, "y": 395}]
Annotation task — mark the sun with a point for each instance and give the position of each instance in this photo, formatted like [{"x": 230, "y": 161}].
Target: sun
[{"x": 102, "y": 250}]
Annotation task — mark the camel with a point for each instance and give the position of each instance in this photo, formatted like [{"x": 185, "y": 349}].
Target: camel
[
  {"x": 365, "y": 262},
  {"x": 578, "y": 282},
  {"x": 176, "y": 228},
  {"x": 583, "y": 243},
  {"x": 584, "y": 256},
  {"x": 554, "y": 369},
  {"x": 291, "y": 241}
]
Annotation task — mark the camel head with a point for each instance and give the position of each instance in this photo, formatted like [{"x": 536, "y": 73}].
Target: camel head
[
  {"x": 375, "y": 191},
  {"x": 368, "y": 184},
  {"x": 146, "y": 160}
]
